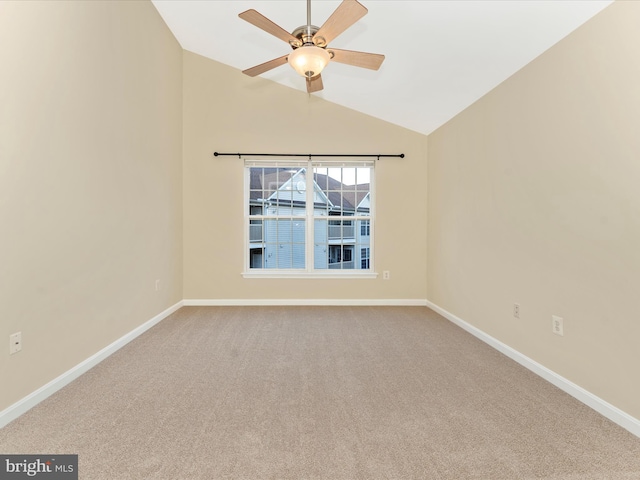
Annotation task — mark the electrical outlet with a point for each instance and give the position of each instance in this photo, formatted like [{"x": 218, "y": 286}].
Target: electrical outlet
[
  {"x": 157, "y": 285},
  {"x": 15, "y": 343},
  {"x": 386, "y": 275},
  {"x": 516, "y": 310},
  {"x": 557, "y": 325}
]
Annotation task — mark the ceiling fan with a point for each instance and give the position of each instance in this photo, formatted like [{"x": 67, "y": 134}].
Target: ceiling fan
[{"x": 311, "y": 52}]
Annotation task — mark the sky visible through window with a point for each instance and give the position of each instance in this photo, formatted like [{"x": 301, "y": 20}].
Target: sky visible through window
[{"x": 348, "y": 176}]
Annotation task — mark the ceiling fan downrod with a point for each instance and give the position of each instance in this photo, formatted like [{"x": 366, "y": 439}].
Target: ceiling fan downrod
[{"x": 306, "y": 32}]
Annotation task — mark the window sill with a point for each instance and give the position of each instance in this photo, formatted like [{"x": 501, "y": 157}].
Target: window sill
[{"x": 303, "y": 274}]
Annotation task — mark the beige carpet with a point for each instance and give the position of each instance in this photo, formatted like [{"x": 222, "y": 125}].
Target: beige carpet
[{"x": 319, "y": 393}]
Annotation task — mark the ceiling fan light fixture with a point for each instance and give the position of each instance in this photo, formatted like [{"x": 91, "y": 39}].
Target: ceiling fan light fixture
[{"x": 309, "y": 60}]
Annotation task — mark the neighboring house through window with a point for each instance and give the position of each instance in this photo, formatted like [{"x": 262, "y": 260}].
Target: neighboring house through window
[{"x": 309, "y": 217}]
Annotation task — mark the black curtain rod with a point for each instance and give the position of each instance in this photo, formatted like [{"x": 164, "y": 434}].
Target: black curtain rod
[{"x": 307, "y": 155}]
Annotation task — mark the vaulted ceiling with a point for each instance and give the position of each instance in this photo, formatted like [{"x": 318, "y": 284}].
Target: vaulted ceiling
[{"x": 441, "y": 56}]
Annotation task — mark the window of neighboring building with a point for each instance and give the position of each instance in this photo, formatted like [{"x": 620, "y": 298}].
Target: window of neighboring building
[
  {"x": 364, "y": 258},
  {"x": 309, "y": 218},
  {"x": 365, "y": 228}
]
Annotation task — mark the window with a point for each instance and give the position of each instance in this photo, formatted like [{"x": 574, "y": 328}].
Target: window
[
  {"x": 365, "y": 229},
  {"x": 308, "y": 218},
  {"x": 364, "y": 258}
]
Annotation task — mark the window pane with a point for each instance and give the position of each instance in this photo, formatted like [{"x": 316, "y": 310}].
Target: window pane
[
  {"x": 298, "y": 255},
  {"x": 346, "y": 190},
  {"x": 321, "y": 178},
  {"x": 255, "y": 231},
  {"x": 335, "y": 174},
  {"x": 256, "y": 256},
  {"x": 277, "y": 191},
  {"x": 320, "y": 244},
  {"x": 338, "y": 244},
  {"x": 284, "y": 241}
]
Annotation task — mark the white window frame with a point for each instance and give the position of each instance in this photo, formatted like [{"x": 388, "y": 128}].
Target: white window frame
[{"x": 309, "y": 271}]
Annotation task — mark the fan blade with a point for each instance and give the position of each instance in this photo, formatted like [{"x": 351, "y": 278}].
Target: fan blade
[
  {"x": 266, "y": 66},
  {"x": 314, "y": 84},
  {"x": 371, "y": 61},
  {"x": 347, "y": 13},
  {"x": 268, "y": 26}
]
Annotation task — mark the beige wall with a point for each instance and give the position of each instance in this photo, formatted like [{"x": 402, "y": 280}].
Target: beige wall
[
  {"x": 227, "y": 111},
  {"x": 534, "y": 198},
  {"x": 90, "y": 181}
]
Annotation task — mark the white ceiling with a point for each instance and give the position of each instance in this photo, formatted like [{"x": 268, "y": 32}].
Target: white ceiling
[{"x": 441, "y": 56}]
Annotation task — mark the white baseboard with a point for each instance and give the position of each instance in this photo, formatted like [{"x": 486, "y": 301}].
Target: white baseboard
[
  {"x": 333, "y": 302},
  {"x": 14, "y": 411},
  {"x": 611, "y": 412}
]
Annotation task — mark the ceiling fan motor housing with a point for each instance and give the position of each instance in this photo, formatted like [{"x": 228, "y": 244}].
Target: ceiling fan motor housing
[{"x": 306, "y": 34}]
